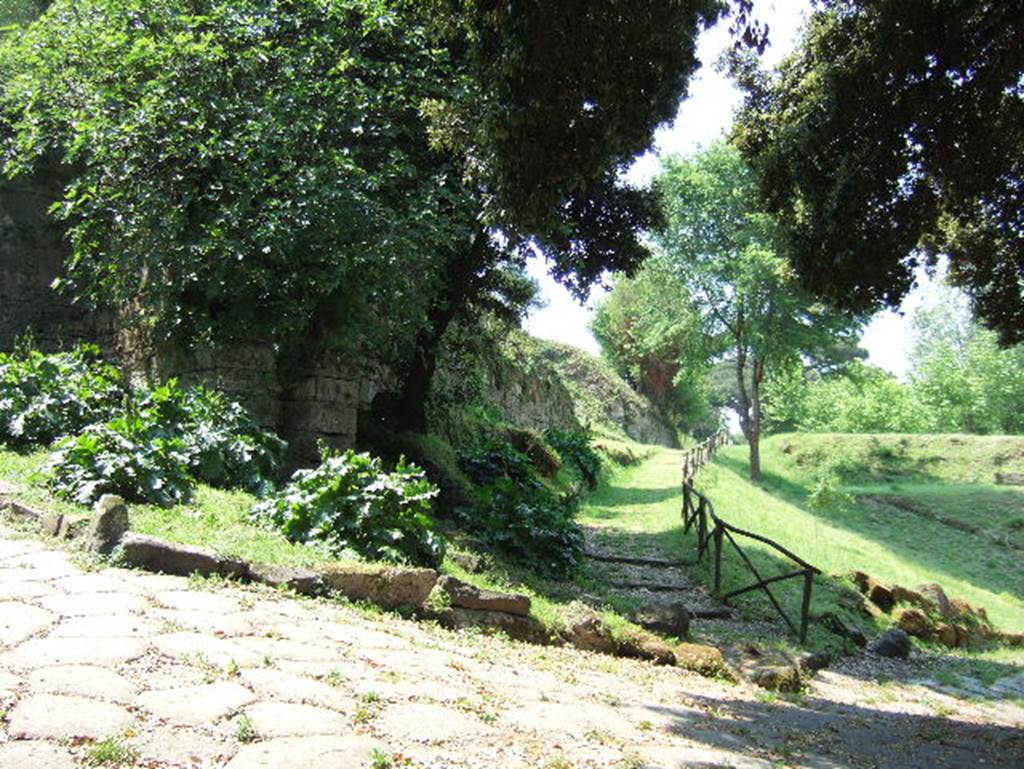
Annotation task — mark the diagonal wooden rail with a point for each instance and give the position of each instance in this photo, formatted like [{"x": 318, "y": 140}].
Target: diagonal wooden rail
[{"x": 712, "y": 531}]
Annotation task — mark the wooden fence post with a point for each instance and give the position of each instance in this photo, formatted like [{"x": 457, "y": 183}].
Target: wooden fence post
[
  {"x": 805, "y": 608},
  {"x": 718, "y": 558}
]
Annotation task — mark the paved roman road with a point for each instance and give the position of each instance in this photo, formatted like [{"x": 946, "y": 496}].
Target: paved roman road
[{"x": 193, "y": 675}]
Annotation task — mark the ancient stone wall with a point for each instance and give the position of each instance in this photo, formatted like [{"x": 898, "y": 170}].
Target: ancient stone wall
[{"x": 321, "y": 402}]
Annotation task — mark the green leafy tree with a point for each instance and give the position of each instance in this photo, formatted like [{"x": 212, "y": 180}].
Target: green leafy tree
[
  {"x": 344, "y": 175},
  {"x": 727, "y": 252},
  {"x": 961, "y": 374},
  {"x": 650, "y": 331},
  {"x": 894, "y": 134}
]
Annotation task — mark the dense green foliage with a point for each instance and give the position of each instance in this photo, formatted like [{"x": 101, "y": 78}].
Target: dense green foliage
[
  {"x": 649, "y": 329},
  {"x": 44, "y": 397},
  {"x": 960, "y": 381},
  {"x": 353, "y": 504},
  {"x": 163, "y": 442},
  {"x": 576, "y": 447},
  {"x": 724, "y": 249},
  {"x": 515, "y": 513},
  {"x": 896, "y": 129},
  {"x": 249, "y": 167}
]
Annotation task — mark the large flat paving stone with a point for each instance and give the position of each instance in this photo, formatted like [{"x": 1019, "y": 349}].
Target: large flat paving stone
[
  {"x": 96, "y": 583},
  {"x": 19, "y": 621},
  {"x": 48, "y": 716},
  {"x": 431, "y": 723},
  {"x": 34, "y": 754},
  {"x": 82, "y": 681},
  {"x": 114, "y": 626},
  {"x": 307, "y": 753},
  {"x": 94, "y": 604},
  {"x": 18, "y": 589},
  {"x": 196, "y": 600},
  {"x": 287, "y": 687},
  {"x": 44, "y": 565},
  {"x": 196, "y": 705},
  {"x": 286, "y": 719},
  {"x": 166, "y": 746},
  {"x": 40, "y": 652},
  {"x": 234, "y": 624},
  {"x": 208, "y": 648}
]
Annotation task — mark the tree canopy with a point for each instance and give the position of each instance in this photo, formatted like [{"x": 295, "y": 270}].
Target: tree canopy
[
  {"x": 894, "y": 134},
  {"x": 726, "y": 250}
]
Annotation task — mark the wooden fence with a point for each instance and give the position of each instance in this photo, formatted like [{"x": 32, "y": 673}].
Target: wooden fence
[{"x": 713, "y": 532}]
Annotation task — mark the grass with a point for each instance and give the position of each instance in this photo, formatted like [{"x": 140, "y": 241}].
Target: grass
[
  {"x": 896, "y": 545},
  {"x": 215, "y": 519},
  {"x": 111, "y": 752}
]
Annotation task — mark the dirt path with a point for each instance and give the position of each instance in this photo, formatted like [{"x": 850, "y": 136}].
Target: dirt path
[{"x": 247, "y": 679}]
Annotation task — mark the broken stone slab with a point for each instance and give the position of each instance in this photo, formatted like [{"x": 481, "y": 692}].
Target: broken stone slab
[
  {"x": 26, "y": 512},
  {"x": 704, "y": 659},
  {"x": 388, "y": 586},
  {"x": 586, "y": 629},
  {"x": 300, "y": 580},
  {"x": 669, "y": 619},
  {"x": 108, "y": 524},
  {"x": 769, "y": 669},
  {"x": 466, "y": 596},
  {"x": 914, "y": 621},
  {"x": 515, "y": 626},
  {"x": 937, "y": 596},
  {"x": 640, "y": 644},
  {"x": 154, "y": 554},
  {"x": 1010, "y": 479},
  {"x": 893, "y": 643}
]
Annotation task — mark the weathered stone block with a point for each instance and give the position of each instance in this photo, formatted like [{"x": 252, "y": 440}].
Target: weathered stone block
[
  {"x": 156, "y": 554},
  {"x": 390, "y": 586},
  {"x": 467, "y": 596},
  {"x": 108, "y": 524}
]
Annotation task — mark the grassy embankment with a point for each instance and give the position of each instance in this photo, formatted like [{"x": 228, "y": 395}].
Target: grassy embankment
[{"x": 908, "y": 509}]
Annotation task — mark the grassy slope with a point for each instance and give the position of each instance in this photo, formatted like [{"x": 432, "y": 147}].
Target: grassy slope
[{"x": 896, "y": 544}]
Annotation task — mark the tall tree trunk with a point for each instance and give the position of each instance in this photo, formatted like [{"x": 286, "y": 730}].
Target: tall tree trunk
[
  {"x": 409, "y": 411},
  {"x": 754, "y": 438}
]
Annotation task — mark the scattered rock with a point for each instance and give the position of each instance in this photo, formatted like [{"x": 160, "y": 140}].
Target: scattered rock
[
  {"x": 881, "y": 596},
  {"x": 466, "y": 596},
  {"x": 701, "y": 658},
  {"x": 892, "y": 643},
  {"x": 814, "y": 661},
  {"x": 155, "y": 554},
  {"x": 905, "y": 595},
  {"x": 946, "y": 634},
  {"x": 645, "y": 646},
  {"x": 390, "y": 587},
  {"x": 914, "y": 621},
  {"x": 585, "y": 629},
  {"x": 301, "y": 581},
  {"x": 1010, "y": 479},
  {"x": 519, "y": 627},
  {"x": 937, "y": 596},
  {"x": 836, "y": 624},
  {"x": 108, "y": 524},
  {"x": 669, "y": 619},
  {"x": 767, "y": 668},
  {"x": 1013, "y": 639},
  {"x": 787, "y": 447}
]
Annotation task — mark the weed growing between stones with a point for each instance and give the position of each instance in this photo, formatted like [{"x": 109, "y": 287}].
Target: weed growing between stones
[
  {"x": 111, "y": 752},
  {"x": 244, "y": 729}
]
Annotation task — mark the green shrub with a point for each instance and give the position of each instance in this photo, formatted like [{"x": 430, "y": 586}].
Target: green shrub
[
  {"x": 353, "y": 504},
  {"x": 517, "y": 514},
  {"x": 574, "y": 446},
  {"x": 44, "y": 397},
  {"x": 124, "y": 456},
  {"x": 166, "y": 441}
]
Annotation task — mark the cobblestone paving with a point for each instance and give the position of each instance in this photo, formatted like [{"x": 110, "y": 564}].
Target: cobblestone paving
[{"x": 190, "y": 676}]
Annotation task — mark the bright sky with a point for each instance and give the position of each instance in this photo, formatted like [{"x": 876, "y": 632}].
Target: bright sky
[{"x": 702, "y": 118}]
